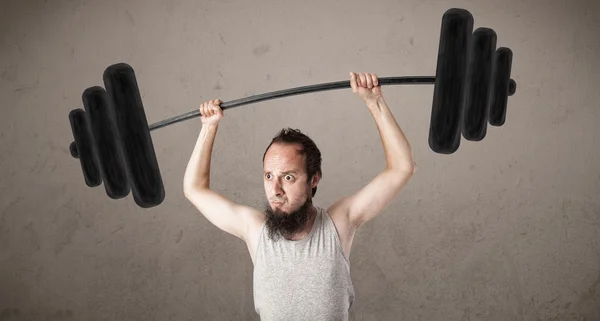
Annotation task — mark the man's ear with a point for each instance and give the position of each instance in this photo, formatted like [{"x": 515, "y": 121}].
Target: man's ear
[{"x": 315, "y": 180}]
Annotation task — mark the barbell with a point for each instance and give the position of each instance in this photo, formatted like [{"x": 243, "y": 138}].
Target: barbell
[{"x": 112, "y": 137}]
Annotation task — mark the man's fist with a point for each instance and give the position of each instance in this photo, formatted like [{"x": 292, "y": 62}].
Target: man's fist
[
  {"x": 366, "y": 86},
  {"x": 211, "y": 112}
]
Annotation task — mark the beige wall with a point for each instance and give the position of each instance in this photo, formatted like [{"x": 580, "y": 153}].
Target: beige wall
[{"x": 505, "y": 229}]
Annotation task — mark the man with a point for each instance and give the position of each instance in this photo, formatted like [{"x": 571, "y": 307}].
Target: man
[{"x": 301, "y": 251}]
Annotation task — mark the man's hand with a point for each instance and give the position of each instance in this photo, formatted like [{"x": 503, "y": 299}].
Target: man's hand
[
  {"x": 366, "y": 86},
  {"x": 211, "y": 112}
]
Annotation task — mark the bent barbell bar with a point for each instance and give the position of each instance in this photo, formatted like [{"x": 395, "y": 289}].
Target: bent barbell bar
[{"x": 408, "y": 80}]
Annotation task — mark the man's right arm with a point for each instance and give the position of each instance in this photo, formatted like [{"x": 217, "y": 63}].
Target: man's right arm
[
  {"x": 225, "y": 214},
  {"x": 197, "y": 173}
]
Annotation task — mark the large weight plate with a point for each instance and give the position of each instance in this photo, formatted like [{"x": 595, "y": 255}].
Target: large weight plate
[
  {"x": 450, "y": 79},
  {"x": 138, "y": 150},
  {"x": 479, "y": 84},
  {"x": 84, "y": 143},
  {"x": 114, "y": 175}
]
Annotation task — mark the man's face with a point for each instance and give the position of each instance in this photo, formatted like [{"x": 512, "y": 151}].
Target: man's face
[{"x": 285, "y": 181}]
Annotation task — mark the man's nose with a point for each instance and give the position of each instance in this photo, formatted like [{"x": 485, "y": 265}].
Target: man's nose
[{"x": 277, "y": 190}]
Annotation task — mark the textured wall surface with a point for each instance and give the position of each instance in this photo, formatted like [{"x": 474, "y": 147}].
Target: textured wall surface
[{"x": 504, "y": 229}]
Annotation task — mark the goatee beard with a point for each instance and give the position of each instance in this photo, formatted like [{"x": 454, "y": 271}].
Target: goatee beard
[{"x": 283, "y": 224}]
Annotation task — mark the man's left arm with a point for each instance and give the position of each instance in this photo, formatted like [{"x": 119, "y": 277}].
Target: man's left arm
[{"x": 378, "y": 194}]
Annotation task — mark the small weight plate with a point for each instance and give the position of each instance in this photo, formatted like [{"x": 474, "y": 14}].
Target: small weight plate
[
  {"x": 84, "y": 143},
  {"x": 501, "y": 82}
]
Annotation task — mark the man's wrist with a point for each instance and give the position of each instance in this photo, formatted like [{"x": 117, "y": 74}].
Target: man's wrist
[{"x": 376, "y": 103}]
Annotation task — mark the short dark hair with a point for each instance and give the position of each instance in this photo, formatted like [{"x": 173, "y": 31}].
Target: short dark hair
[{"x": 309, "y": 148}]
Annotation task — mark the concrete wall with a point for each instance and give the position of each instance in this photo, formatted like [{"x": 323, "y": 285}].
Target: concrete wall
[{"x": 504, "y": 229}]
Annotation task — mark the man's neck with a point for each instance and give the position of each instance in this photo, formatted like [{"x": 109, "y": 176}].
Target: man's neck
[{"x": 308, "y": 227}]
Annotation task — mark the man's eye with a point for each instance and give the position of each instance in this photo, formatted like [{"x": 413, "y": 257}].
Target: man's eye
[{"x": 289, "y": 177}]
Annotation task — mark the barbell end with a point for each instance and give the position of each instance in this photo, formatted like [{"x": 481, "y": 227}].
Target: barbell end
[
  {"x": 73, "y": 150},
  {"x": 512, "y": 87}
]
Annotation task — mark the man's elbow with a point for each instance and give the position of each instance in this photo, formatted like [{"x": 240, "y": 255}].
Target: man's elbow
[
  {"x": 412, "y": 168},
  {"x": 408, "y": 169},
  {"x": 191, "y": 189},
  {"x": 187, "y": 191}
]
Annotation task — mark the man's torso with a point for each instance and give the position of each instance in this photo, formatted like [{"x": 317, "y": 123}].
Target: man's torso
[{"x": 345, "y": 232}]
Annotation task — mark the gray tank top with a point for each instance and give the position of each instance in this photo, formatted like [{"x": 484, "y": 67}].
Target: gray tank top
[{"x": 307, "y": 279}]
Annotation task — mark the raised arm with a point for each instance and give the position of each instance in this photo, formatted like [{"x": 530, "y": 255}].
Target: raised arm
[
  {"x": 225, "y": 214},
  {"x": 377, "y": 195}
]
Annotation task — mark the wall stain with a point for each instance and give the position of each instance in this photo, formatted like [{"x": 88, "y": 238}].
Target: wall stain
[
  {"x": 261, "y": 50},
  {"x": 179, "y": 236},
  {"x": 65, "y": 235}
]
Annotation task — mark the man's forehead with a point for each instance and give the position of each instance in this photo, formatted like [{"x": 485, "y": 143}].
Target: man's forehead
[
  {"x": 286, "y": 159},
  {"x": 285, "y": 167},
  {"x": 284, "y": 156},
  {"x": 284, "y": 149}
]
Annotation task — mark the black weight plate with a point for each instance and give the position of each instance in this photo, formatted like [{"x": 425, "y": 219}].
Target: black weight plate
[
  {"x": 502, "y": 84},
  {"x": 479, "y": 84},
  {"x": 138, "y": 150},
  {"x": 84, "y": 147},
  {"x": 450, "y": 80},
  {"x": 114, "y": 175}
]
